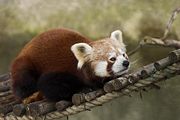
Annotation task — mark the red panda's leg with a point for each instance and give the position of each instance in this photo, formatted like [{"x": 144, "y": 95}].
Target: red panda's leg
[
  {"x": 37, "y": 96},
  {"x": 24, "y": 78},
  {"x": 59, "y": 86}
]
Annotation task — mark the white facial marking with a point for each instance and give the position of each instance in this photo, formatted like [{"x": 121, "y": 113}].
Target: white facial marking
[
  {"x": 101, "y": 69},
  {"x": 121, "y": 51},
  {"x": 118, "y": 67},
  {"x": 80, "y": 64},
  {"x": 112, "y": 54}
]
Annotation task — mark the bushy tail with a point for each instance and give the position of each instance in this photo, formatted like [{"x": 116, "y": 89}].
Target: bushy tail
[{"x": 24, "y": 78}]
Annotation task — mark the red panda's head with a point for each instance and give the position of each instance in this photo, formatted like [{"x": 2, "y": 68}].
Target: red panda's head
[{"x": 104, "y": 58}]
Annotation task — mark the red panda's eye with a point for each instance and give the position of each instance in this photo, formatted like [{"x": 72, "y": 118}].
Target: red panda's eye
[
  {"x": 124, "y": 55},
  {"x": 112, "y": 59}
]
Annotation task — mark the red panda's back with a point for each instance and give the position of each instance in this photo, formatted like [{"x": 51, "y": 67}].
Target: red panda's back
[{"x": 51, "y": 50}]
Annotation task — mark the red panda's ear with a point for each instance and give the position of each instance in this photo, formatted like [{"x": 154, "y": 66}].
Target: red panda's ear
[
  {"x": 117, "y": 35},
  {"x": 80, "y": 50}
]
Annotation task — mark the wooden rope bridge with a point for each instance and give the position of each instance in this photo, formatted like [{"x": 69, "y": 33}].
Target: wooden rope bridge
[{"x": 142, "y": 79}]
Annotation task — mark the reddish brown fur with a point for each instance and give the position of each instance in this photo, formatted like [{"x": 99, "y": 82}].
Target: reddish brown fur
[
  {"x": 47, "y": 55},
  {"x": 47, "y": 52},
  {"x": 108, "y": 46},
  {"x": 48, "y": 65}
]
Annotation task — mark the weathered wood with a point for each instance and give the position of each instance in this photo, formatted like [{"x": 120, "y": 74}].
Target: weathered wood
[
  {"x": 4, "y": 77},
  {"x": 41, "y": 108},
  {"x": 174, "y": 56},
  {"x": 108, "y": 87},
  {"x": 119, "y": 83},
  {"x": 61, "y": 105},
  {"x": 5, "y": 86},
  {"x": 3, "y": 94},
  {"x": 19, "y": 109},
  {"x": 147, "y": 70},
  {"x": 115, "y": 84},
  {"x": 4, "y": 109},
  {"x": 133, "y": 78},
  {"x": 94, "y": 94},
  {"x": 161, "y": 64},
  {"x": 7, "y": 99},
  {"x": 78, "y": 98}
]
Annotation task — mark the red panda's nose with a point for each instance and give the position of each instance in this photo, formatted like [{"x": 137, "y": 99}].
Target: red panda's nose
[{"x": 125, "y": 63}]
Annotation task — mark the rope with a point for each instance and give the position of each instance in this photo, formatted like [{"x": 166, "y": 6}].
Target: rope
[
  {"x": 157, "y": 76},
  {"x": 170, "y": 69},
  {"x": 168, "y": 72}
]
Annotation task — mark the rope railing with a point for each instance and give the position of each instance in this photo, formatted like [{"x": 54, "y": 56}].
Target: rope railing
[{"x": 144, "y": 78}]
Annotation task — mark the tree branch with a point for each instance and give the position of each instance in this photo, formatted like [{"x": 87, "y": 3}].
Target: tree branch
[{"x": 163, "y": 41}]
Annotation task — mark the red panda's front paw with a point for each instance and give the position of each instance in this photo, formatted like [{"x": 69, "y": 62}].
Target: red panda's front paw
[{"x": 34, "y": 97}]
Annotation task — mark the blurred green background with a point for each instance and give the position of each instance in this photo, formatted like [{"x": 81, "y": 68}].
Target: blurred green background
[{"x": 21, "y": 20}]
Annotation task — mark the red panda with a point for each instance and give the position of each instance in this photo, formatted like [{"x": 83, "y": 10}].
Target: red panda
[{"x": 60, "y": 62}]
